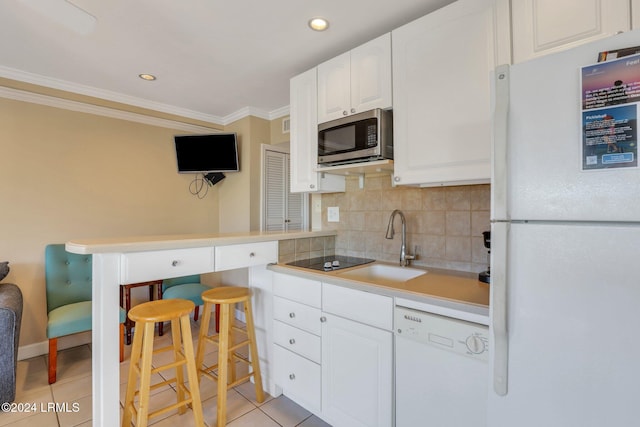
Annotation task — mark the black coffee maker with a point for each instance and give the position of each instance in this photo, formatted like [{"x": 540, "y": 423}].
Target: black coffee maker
[{"x": 485, "y": 276}]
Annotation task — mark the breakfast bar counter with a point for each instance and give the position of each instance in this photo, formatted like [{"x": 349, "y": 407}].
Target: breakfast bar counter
[{"x": 118, "y": 261}]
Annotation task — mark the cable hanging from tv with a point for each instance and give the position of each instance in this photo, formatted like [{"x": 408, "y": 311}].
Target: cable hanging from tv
[{"x": 200, "y": 185}]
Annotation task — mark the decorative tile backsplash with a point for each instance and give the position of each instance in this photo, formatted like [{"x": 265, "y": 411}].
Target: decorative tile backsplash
[
  {"x": 312, "y": 247},
  {"x": 444, "y": 224}
]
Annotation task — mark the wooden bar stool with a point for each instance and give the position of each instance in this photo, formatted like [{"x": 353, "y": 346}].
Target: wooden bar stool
[
  {"x": 146, "y": 315},
  {"x": 226, "y": 297}
]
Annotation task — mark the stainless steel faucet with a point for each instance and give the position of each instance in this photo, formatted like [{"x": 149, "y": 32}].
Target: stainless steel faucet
[{"x": 405, "y": 258}]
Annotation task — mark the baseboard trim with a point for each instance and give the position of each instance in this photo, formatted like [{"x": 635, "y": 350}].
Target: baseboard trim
[{"x": 42, "y": 348}]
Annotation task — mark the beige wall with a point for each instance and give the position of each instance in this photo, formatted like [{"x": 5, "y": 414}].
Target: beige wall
[
  {"x": 277, "y": 136},
  {"x": 66, "y": 175},
  {"x": 445, "y": 222},
  {"x": 240, "y": 192}
]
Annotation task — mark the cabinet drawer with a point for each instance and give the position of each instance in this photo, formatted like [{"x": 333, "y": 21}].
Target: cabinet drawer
[
  {"x": 296, "y": 314},
  {"x": 245, "y": 255},
  {"x": 297, "y": 340},
  {"x": 298, "y": 377},
  {"x": 144, "y": 266},
  {"x": 298, "y": 289},
  {"x": 365, "y": 307}
]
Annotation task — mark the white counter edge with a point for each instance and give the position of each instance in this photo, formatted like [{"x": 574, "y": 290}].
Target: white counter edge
[{"x": 166, "y": 242}]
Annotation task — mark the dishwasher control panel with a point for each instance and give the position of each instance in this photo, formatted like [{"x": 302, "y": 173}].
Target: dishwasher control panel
[{"x": 459, "y": 336}]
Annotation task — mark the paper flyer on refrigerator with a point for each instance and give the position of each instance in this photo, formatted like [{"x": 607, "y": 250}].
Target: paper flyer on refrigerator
[{"x": 610, "y": 97}]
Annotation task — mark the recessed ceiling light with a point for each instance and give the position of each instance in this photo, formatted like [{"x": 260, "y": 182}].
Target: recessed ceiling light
[
  {"x": 148, "y": 77},
  {"x": 318, "y": 24}
]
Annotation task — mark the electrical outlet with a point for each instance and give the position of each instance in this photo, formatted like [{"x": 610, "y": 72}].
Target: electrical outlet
[
  {"x": 317, "y": 206},
  {"x": 333, "y": 214}
]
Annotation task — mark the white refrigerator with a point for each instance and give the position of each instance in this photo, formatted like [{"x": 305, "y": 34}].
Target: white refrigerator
[{"x": 565, "y": 248}]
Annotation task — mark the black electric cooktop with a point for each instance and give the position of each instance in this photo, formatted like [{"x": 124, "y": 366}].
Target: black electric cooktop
[{"x": 329, "y": 263}]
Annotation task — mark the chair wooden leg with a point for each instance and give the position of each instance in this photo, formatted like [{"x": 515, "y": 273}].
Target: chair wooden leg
[
  {"x": 160, "y": 324},
  {"x": 223, "y": 356},
  {"x": 121, "y": 342},
  {"x": 202, "y": 334},
  {"x": 192, "y": 370},
  {"x": 53, "y": 359},
  {"x": 218, "y": 318},
  {"x": 145, "y": 375},
  {"x": 176, "y": 337},
  {"x": 127, "y": 306},
  {"x": 136, "y": 351},
  {"x": 253, "y": 351}
]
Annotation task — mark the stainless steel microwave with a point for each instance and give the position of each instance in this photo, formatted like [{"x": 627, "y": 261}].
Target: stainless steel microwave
[{"x": 360, "y": 137}]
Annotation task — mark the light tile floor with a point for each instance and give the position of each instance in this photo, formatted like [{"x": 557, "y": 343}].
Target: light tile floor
[{"x": 36, "y": 400}]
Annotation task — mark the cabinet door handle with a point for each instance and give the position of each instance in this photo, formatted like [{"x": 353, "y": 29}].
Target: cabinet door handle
[
  {"x": 292, "y": 315},
  {"x": 344, "y": 113},
  {"x": 353, "y": 110},
  {"x": 312, "y": 186},
  {"x": 252, "y": 254},
  {"x": 323, "y": 319},
  {"x": 175, "y": 262},
  {"x": 292, "y": 341},
  {"x": 292, "y": 376}
]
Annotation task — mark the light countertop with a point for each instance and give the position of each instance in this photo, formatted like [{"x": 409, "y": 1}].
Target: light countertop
[
  {"x": 182, "y": 241},
  {"x": 447, "y": 288}
]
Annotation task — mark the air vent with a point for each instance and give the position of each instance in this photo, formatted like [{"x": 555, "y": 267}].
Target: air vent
[{"x": 286, "y": 125}]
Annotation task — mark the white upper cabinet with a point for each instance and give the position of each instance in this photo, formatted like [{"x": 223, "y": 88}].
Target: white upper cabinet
[
  {"x": 541, "y": 27},
  {"x": 442, "y": 66},
  {"x": 304, "y": 138},
  {"x": 356, "y": 81}
]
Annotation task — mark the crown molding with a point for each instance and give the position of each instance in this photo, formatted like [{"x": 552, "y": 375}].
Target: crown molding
[
  {"x": 280, "y": 112},
  {"x": 244, "y": 112},
  {"x": 22, "y": 76},
  {"x": 51, "y": 101},
  {"x": 256, "y": 112}
]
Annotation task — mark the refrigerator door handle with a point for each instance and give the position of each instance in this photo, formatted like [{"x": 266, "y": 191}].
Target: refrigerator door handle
[
  {"x": 499, "y": 184},
  {"x": 499, "y": 294}
]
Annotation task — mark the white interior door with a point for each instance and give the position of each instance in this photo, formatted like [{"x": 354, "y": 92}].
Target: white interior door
[{"x": 282, "y": 210}]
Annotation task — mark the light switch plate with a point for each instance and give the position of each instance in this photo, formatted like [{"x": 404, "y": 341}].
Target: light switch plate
[{"x": 333, "y": 214}]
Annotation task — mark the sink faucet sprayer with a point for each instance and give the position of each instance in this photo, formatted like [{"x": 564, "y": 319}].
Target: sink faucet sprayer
[{"x": 404, "y": 257}]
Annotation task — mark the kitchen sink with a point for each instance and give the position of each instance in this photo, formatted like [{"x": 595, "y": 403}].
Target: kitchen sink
[{"x": 371, "y": 273}]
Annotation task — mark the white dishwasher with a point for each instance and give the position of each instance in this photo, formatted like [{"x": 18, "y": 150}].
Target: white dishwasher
[{"x": 442, "y": 373}]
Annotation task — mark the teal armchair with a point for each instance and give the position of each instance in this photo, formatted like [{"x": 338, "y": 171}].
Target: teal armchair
[
  {"x": 186, "y": 287},
  {"x": 68, "y": 286}
]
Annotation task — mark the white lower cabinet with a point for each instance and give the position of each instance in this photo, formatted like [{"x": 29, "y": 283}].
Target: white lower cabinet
[
  {"x": 298, "y": 377},
  {"x": 296, "y": 339},
  {"x": 357, "y": 374},
  {"x": 328, "y": 356}
]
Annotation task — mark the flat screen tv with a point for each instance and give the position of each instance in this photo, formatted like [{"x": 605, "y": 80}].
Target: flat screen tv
[{"x": 216, "y": 152}]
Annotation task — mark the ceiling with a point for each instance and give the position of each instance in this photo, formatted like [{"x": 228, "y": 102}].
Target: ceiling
[{"x": 212, "y": 58}]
